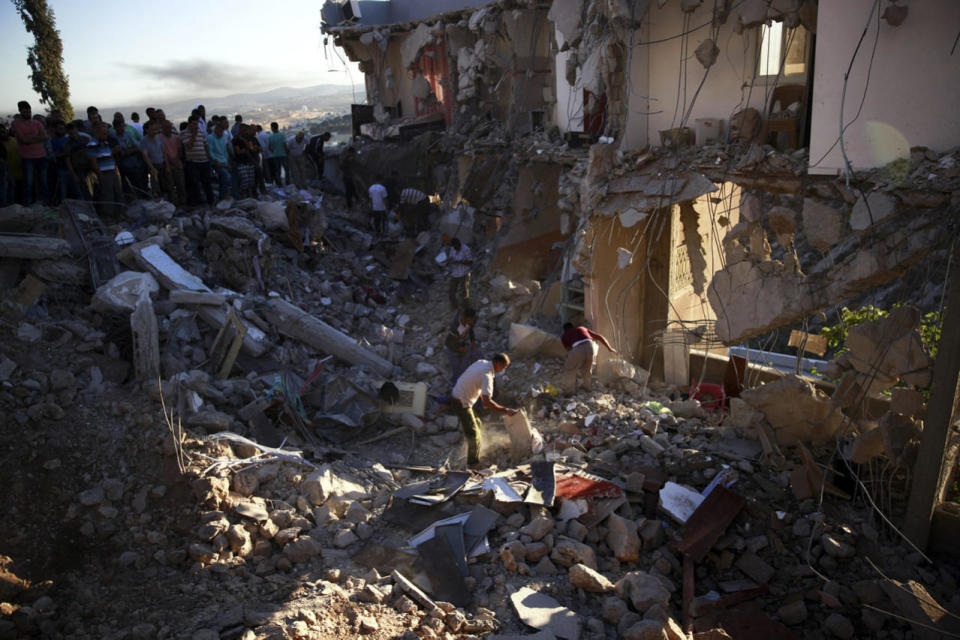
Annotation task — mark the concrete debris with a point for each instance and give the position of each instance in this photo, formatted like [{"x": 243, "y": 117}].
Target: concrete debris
[
  {"x": 121, "y": 293},
  {"x": 796, "y": 410},
  {"x": 871, "y": 209},
  {"x": 32, "y": 247},
  {"x": 543, "y": 612},
  {"x": 291, "y": 475},
  {"x": 707, "y": 52}
]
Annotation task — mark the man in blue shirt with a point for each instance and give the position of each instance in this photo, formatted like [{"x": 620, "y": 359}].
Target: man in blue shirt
[
  {"x": 220, "y": 157},
  {"x": 278, "y": 155}
]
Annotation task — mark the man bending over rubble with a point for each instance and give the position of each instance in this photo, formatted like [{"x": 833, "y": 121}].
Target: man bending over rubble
[
  {"x": 476, "y": 383},
  {"x": 582, "y": 346}
]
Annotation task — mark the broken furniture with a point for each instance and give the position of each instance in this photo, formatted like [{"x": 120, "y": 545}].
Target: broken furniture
[{"x": 783, "y": 119}]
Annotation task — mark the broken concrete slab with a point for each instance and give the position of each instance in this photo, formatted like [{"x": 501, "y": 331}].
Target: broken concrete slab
[
  {"x": 146, "y": 340},
  {"x": 822, "y": 224},
  {"x": 33, "y": 247},
  {"x": 871, "y": 210},
  {"x": 521, "y": 435},
  {"x": 896, "y": 432},
  {"x": 179, "y": 296},
  {"x": 123, "y": 291},
  {"x": 752, "y": 298},
  {"x": 296, "y": 323},
  {"x": 170, "y": 274},
  {"x": 540, "y": 611},
  {"x": 527, "y": 342},
  {"x": 328, "y": 485},
  {"x": 889, "y": 347},
  {"x": 796, "y": 410},
  {"x": 566, "y": 16},
  {"x": 20, "y": 219}
]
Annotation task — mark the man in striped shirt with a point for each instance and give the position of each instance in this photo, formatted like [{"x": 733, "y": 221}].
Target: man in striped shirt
[
  {"x": 109, "y": 195},
  {"x": 194, "y": 142},
  {"x": 414, "y": 209}
]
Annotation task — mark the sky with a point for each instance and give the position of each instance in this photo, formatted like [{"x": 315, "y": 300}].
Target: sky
[{"x": 137, "y": 52}]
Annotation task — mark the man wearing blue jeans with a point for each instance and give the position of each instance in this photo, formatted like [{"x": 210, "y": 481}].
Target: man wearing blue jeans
[
  {"x": 30, "y": 135},
  {"x": 220, "y": 157},
  {"x": 278, "y": 155}
]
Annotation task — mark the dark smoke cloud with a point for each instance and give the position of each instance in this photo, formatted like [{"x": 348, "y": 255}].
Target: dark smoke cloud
[{"x": 200, "y": 74}]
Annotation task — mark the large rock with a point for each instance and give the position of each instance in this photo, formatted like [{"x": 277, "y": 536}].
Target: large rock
[
  {"x": 329, "y": 484},
  {"x": 568, "y": 552},
  {"x": 796, "y": 410},
  {"x": 273, "y": 216},
  {"x": 121, "y": 293},
  {"x": 589, "y": 579},
  {"x": 538, "y": 527},
  {"x": 642, "y": 590},
  {"x": 622, "y": 538},
  {"x": 839, "y": 626},
  {"x": 302, "y": 549}
]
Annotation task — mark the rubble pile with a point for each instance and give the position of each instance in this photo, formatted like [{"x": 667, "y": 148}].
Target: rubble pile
[{"x": 211, "y": 419}]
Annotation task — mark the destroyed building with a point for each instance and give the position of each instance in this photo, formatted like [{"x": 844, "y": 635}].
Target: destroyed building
[
  {"x": 229, "y": 422},
  {"x": 647, "y": 221}
]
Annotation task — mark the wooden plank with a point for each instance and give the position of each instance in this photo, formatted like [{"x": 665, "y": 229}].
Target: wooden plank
[
  {"x": 227, "y": 345},
  {"x": 708, "y": 522},
  {"x": 809, "y": 342},
  {"x": 928, "y": 469},
  {"x": 255, "y": 342}
]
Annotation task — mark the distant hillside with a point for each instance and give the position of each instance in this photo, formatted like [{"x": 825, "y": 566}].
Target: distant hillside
[{"x": 320, "y": 97}]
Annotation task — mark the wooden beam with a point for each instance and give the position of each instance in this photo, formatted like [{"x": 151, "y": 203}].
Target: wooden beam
[
  {"x": 295, "y": 323},
  {"x": 928, "y": 469}
]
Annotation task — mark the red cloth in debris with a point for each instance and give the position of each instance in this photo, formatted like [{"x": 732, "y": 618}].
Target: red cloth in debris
[{"x": 572, "y": 486}]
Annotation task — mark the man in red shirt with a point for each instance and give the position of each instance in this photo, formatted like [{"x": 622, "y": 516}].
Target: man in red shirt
[
  {"x": 582, "y": 346},
  {"x": 30, "y": 135}
]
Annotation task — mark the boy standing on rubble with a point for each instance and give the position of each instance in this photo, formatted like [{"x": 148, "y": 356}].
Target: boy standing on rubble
[
  {"x": 459, "y": 261},
  {"x": 378, "y": 206},
  {"x": 476, "y": 383},
  {"x": 461, "y": 343},
  {"x": 582, "y": 345}
]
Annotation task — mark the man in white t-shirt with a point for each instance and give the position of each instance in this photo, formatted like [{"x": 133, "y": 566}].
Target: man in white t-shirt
[
  {"x": 459, "y": 261},
  {"x": 378, "y": 205},
  {"x": 476, "y": 383}
]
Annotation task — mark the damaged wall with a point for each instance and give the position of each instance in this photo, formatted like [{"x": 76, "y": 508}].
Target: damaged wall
[
  {"x": 913, "y": 90},
  {"x": 568, "y": 109},
  {"x": 526, "y": 249},
  {"x": 656, "y": 69},
  {"x": 614, "y": 296},
  {"x": 698, "y": 230}
]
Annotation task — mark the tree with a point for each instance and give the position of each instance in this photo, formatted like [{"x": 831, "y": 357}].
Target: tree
[{"x": 45, "y": 57}]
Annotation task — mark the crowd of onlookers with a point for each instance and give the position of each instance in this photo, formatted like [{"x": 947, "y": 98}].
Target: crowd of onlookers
[{"x": 201, "y": 161}]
